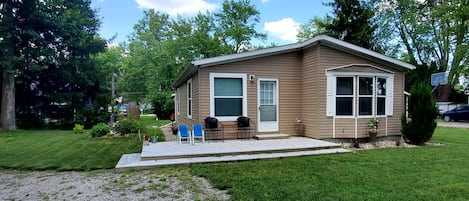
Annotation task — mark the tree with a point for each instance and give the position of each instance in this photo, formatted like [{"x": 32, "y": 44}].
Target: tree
[
  {"x": 8, "y": 63},
  {"x": 418, "y": 128},
  {"x": 47, "y": 56},
  {"x": 236, "y": 24},
  {"x": 430, "y": 31},
  {"x": 148, "y": 54},
  {"x": 352, "y": 22},
  {"x": 110, "y": 64},
  {"x": 161, "y": 47},
  {"x": 314, "y": 27},
  {"x": 204, "y": 41}
]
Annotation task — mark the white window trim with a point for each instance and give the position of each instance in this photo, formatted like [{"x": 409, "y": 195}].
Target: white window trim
[
  {"x": 354, "y": 98},
  {"x": 189, "y": 98},
  {"x": 385, "y": 96},
  {"x": 212, "y": 94},
  {"x": 178, "y": 101},
  {"x": 372, "y": 96},
  {"x": 331, "y": 93}
]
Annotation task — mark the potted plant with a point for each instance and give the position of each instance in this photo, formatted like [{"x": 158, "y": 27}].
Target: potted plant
[{"x": 373, "y": 126}]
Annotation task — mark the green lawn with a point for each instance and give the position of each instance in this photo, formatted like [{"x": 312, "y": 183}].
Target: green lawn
[
  {"x": 423, "y": 173},
  {"x": 62, "y": 150},
  {"x": 151, "y": 121}
]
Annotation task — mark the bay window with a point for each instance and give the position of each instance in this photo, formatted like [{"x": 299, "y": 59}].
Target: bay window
[{"x": 359, "y": 95}]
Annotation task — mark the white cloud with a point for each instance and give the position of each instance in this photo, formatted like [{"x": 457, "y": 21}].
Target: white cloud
[
  {"x": 285, "y": 29},
  {"x": 175, "y": 7},
  {"x": 265, "y": 1}
]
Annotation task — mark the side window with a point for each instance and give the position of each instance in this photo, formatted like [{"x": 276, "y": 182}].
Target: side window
[
  {"x": 381, "y": 96},
  {"x": 189, "y": 98},
  {"x": 344, "y": 96}
]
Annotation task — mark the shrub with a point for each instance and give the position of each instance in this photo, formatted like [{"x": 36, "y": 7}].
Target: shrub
[
  {"x": 78, "y": 128},
  {"x": 91, "y": 116},
  {"x": 163, "y": 104},
  {"x": 129, "y": 126},
  {"x": 155, "y": 131},
  {"x": 29, "y": 122},
  {"x": 99, "y": 130},
  {"x": 418, "y": 128}
]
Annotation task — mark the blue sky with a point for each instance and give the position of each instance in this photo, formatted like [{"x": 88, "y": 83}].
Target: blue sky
[{"x": 280, "y": 19}]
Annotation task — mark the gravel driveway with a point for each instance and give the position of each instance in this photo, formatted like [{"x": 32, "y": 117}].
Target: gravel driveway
[
  {"x": 158, "y": 184},
  {"x": 461, "y": 124},
  {"x": 172, "y": 183}
]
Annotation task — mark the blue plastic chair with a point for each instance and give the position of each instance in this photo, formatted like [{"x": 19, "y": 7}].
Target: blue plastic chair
[
  {"x": 198, "y": 133},
  {"x": 183, "y": 134}
]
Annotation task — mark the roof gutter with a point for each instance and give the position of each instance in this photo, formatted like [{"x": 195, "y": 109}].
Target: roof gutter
[{"x": 188, "y": 71}]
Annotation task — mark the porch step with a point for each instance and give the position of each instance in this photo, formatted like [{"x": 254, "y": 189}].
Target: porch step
[
  {"x": 133, "y": 161},
  {"x": 271, "y": 136},
  {"x": 171, "y": 150}
]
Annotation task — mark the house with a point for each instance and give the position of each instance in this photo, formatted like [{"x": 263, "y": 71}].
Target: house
[{"x": 332, "y": 87}]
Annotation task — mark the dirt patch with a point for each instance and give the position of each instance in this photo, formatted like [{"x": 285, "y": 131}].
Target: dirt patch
[
  {"x": 168, "y": 133},
  {"x": 106, "y": 185}
]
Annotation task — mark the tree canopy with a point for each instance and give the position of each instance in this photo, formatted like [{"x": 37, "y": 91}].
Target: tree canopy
[
  {"x": 428, "y": 33},
  {"x": 161, "y": 47},
  {"x": 433, "y": 35},
  {"x": 50, "y": 50},
  {"x": 46, "y": 51}
]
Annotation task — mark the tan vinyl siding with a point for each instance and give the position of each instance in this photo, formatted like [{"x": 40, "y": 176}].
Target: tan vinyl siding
[
  {"x": 182, "y": 118},
  {"x": 311, "y": 92},
  {"x": 195, "y": 98},
  {"x": 302, "y": 92},
  {"x": 344, "y": 128},
  {"x": 394, "y": 124},
  {"x": 332, "y": 58},
  {"x": 285, "y": 67}
]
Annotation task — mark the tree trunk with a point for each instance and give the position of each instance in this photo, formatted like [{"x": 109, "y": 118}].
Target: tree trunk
[
  {"x": 7, "y": 116},
  {"x": 7, "y": 113}
]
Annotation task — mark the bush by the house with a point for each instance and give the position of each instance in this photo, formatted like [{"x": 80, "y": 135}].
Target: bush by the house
[
  {"x": 163, "y": 104},
  {"x": 129, "y": 126},
  {"x": 418, "y": 128},
  {"x": 78, "y": 128},
  {"x": 99, "y": 130}
]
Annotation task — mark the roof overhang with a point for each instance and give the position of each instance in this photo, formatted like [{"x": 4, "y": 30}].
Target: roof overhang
[{"x": 192, "y": 67}]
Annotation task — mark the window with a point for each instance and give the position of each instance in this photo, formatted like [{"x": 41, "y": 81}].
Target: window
[
  {"x": 381, "y": 96},
  {"x": 178, "y": 101},
  {"x": 358, "y": 94},
  {"x": 365, "y": 96},
  {"x": 189, "y": 98},
  {"x": 228, "y": 96},
  {"x": 344, "y": 96}
]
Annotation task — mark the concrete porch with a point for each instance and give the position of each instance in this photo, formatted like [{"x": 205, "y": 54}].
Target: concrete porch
[{"x": 173, "y": 153}]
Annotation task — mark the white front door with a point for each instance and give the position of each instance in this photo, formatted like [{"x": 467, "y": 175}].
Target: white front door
[{"x": 267, "y": 99}]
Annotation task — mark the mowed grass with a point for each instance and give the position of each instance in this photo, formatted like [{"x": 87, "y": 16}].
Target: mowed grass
[
  {"x": 150, "y": 120},
  {"x": 62, "y": 150},
  {"x": 421, "y": 173}
]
